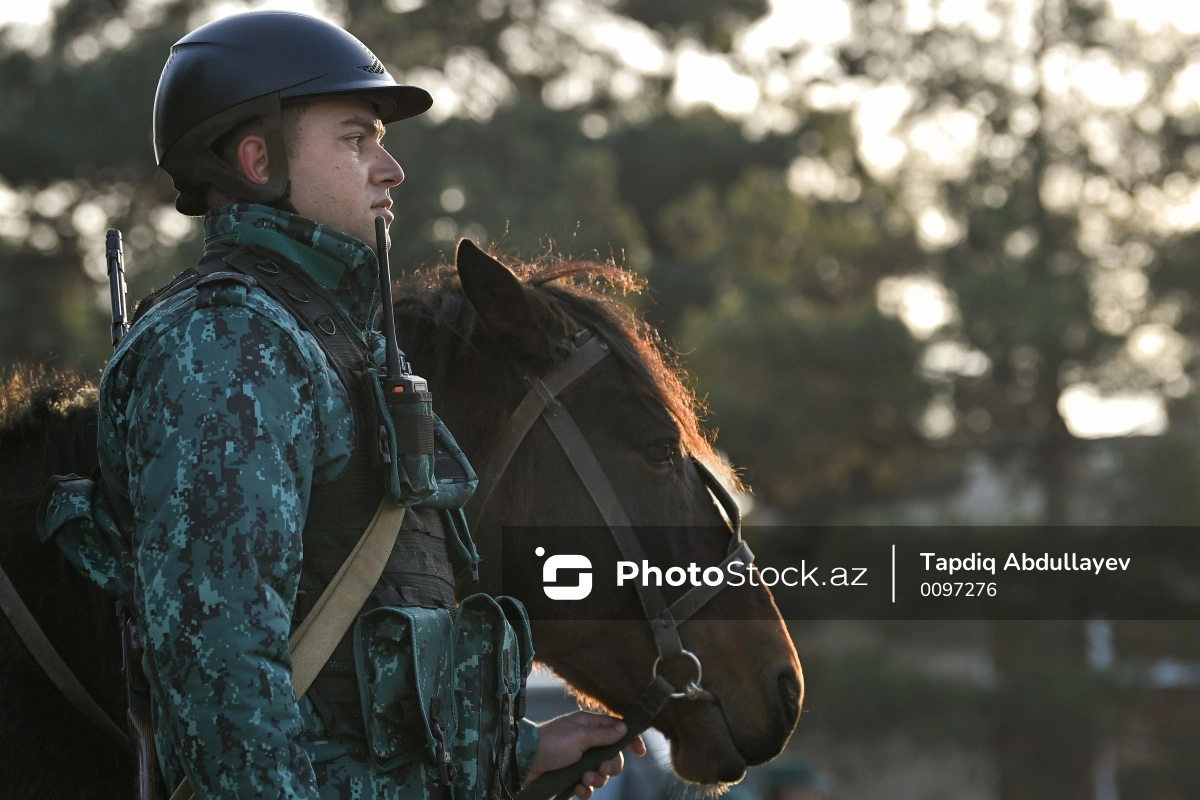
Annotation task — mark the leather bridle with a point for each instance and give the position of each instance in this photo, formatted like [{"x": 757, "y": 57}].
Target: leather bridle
[{"x": 541, "y": 402}]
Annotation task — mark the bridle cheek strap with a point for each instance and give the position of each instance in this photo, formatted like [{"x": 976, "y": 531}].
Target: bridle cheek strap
[
  {"x": 686, "y": 607},
  {"x": 589, "y": 354},
  {"x": 542, "y": 401},
  {"x": 664, "y": 619},
  {"x": 583, "y": 459}
]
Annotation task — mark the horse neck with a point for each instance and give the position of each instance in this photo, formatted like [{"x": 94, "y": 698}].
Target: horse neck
[
  {"x": 76, "y": 615},
  {"x": 470, "y": 383}
]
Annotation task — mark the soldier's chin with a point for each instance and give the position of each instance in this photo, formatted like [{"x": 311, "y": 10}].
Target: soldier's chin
[{"x": 706, "y": 754}]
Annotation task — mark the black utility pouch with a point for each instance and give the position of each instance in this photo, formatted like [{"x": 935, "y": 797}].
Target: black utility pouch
[{"x": 406, "y": 441}]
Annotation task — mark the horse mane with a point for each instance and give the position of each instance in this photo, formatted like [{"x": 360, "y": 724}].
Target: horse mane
[
  {"x": 586, "y": 292},
  {"x": 58, "y": 407},
  {"x": 47, "y": 424}
]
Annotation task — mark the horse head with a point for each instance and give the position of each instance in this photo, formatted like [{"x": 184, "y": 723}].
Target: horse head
[{"x": 523, "y": 337}]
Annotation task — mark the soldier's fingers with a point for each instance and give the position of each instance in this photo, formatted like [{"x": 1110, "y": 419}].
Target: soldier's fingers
[
  {"x": 590, "y": 735},
  {"x": 612, "y": 766},
  {"x": 582, "y": 792},
  {"x": 638, "y": 746}
]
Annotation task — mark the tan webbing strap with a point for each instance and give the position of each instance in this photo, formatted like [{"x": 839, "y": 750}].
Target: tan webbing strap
[
  {"x": 318, "y": 635},
  {"x": 314, "y": 641}
]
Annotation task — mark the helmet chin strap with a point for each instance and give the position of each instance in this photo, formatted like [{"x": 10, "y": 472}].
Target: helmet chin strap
[
  {"x": 195, "y": 202},
  {"x": 284, "y": 203}
]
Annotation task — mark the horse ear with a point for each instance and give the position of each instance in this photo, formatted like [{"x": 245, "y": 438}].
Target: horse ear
[{"x": 505, "y": 305}]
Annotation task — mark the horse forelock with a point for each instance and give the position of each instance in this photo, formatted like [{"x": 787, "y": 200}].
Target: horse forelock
[{"x": 578, "y": 293}]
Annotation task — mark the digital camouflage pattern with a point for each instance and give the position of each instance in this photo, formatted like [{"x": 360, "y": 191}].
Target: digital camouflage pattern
[
  {"x": 75, "y": 512},
  {"x": 442, "y": 686},
  {"x": 218, "y": 414},
  {"x": 495, "y": 650},
  {"x": 342, "y": 263}
]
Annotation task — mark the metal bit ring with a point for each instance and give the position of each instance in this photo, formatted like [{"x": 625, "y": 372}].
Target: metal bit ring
[{"x": 693, "y": 688}]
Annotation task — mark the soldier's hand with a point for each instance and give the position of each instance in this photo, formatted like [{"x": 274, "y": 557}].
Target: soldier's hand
[{"x": 563, "y": 740}]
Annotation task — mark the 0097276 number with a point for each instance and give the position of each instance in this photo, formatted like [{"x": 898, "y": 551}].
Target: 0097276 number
[{"x": 958, "y": 589}]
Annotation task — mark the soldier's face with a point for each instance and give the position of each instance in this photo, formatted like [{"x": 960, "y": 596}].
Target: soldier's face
[{"x": 339, "y": 170}]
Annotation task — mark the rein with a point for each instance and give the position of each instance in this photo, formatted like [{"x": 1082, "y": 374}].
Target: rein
[
  {"x": 541, "y": 402},
  {"x": 56, "y": 669}
]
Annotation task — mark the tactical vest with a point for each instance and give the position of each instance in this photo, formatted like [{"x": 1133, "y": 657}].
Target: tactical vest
[
  {"x": 423, "y": 683},
  {"x": 419, "y": 571}
]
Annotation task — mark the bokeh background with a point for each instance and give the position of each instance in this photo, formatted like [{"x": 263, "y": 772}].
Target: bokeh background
[{"x": 930, "y": 262}]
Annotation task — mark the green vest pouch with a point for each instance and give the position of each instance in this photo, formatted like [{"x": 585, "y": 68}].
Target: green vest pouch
[
  {"x": 494, "y": 655},
  {"x": 402, "y": 658},
  {"x": 446, "y": 688}
]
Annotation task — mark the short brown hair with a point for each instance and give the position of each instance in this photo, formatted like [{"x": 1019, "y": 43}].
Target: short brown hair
[{"x": 291, "y": 113}]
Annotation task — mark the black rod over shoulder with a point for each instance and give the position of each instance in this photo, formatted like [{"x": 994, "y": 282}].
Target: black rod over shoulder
[{"x": 115, "y": 256}]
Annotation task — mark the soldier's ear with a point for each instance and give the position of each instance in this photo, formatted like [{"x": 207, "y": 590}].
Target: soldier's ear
[
  {"x": 508, "y": 309},
  {"x": 252, "y": 159}
]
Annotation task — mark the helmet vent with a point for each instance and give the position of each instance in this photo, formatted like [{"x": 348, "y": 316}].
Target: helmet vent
[{"x": 375, "y": 67}]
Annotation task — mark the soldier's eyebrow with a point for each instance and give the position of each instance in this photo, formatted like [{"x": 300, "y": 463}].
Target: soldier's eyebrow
[{"x": 366, "y": 124}]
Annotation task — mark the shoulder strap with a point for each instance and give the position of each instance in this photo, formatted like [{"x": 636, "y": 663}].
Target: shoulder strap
[
  {"x": 314, "y": 641},
  {"x": 291, "y": 287},
  {"x": 335, "y": 610},
  {"x": 182, "y": 281},
  {"x": 306, "y": 300}
]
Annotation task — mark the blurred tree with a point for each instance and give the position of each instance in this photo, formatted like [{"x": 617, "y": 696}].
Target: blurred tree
[
  {"x": 75, "y": 159},
  {"x": 813, "y": 388},
  {"x": 1039, "y": 149},
  {"x": 1024, "y": 141}
]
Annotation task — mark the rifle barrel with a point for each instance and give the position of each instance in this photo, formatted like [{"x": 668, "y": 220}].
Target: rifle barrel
[{"x": 115, "y": 256}]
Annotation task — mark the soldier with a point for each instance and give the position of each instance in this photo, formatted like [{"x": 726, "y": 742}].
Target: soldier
[{"x": 228, "y": 438}]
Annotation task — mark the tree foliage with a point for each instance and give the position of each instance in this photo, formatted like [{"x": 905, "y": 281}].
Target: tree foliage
[{"x": 890, "y": 237}]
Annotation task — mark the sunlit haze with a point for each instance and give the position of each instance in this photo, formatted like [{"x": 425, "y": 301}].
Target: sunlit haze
[{"x": 781, "y": 65}]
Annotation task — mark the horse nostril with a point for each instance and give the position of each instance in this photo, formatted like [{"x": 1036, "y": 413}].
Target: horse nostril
[{"x": 790, "y": 693}]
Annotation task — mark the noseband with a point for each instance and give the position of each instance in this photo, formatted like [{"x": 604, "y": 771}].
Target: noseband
[{"x": 541, "y": 401}]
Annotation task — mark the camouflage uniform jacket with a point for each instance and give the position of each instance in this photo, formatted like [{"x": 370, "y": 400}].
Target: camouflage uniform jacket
[{"x": 218, "y": 414}]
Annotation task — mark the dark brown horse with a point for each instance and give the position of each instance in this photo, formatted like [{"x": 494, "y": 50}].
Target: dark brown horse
[{"x": 467, "y": 338}]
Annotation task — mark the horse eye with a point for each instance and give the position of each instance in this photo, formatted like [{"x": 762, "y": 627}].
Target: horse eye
[{"x": 662, "y": 452}]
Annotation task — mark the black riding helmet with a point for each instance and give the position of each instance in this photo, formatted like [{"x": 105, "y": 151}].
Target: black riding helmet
[{"x": 243, "y": 66}]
